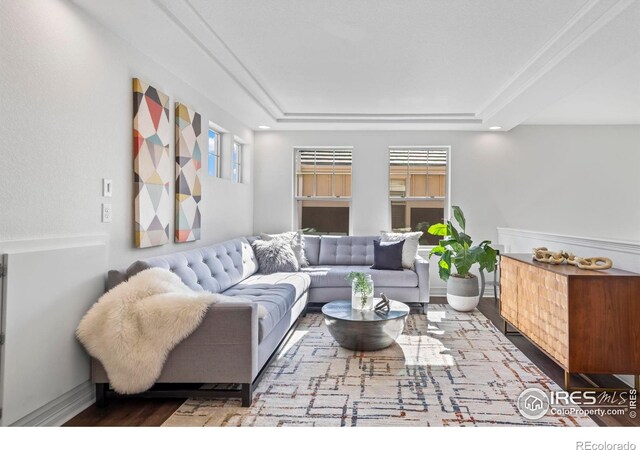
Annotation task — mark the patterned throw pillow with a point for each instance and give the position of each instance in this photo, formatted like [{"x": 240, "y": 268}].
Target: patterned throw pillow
[
  {"x": 410, "y": 248},
  {"x": 295, "y": 239},
  {"x": 275, "y": 255}
]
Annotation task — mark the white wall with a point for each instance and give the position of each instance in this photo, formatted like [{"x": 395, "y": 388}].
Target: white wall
[
  {"x": 66, "y": 106},
  {"x": 66, "y": 112},
  {"x": 578, "y": 180}
]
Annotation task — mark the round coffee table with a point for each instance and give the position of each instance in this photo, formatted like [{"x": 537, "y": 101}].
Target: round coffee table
[{"x": 364, "y": 330}]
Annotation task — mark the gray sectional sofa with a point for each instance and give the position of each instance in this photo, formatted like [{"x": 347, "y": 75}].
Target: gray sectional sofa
[{"x": 233, "y": 345}]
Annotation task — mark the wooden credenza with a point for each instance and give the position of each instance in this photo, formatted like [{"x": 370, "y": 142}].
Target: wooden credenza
[{"x": 587, "y": 321}]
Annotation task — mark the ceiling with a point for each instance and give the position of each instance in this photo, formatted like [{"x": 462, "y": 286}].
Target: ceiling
[{"x": 382, "y": 64}]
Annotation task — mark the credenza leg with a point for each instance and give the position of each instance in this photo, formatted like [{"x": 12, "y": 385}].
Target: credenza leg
[
  {"x": 595, "y": 387},
  {"x": 506, "y": 331}
]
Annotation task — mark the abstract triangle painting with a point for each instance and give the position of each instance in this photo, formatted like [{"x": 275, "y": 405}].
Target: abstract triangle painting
[
  {"x": 188, "y": 162},
  {"x": 151, "y": 165}
]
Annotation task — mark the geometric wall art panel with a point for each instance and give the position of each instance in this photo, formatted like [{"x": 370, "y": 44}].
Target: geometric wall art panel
[
  {"x": 151, "y": 165},
  {"x": 188, "y": 162}
]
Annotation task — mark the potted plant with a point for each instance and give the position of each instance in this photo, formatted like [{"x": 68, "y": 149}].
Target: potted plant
[
  {"x": 361, "y": 290},
  {"x": 456, "y": 252}
]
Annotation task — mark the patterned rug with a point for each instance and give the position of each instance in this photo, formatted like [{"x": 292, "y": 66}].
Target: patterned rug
[{"x": 447, "y": 369}]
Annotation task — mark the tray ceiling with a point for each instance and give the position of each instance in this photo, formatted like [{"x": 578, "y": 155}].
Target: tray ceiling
[{"x": 412, "y": 64}]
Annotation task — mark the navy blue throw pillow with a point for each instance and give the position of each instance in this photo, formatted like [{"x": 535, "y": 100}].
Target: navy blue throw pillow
[{"x": 387, "y": 256}]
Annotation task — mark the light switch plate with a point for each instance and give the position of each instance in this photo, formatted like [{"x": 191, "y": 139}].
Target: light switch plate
[
  {"x": 106, "y": 187},
  {"x": 106, "y": 212}
]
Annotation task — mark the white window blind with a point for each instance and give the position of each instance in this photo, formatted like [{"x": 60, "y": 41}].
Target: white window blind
[
  {"x": 418, "y": 172},
  {"x": 323, "y": 172}
]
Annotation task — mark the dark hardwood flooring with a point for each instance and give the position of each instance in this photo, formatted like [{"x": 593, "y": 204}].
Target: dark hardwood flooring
[
  {"x": 153, "y": 412},
  {"x": 129, "y": 412}
]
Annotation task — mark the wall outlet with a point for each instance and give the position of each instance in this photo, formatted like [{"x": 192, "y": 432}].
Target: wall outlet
[
  {"x": 106, "y": 212},
  {"x": 106, "y": 187}
]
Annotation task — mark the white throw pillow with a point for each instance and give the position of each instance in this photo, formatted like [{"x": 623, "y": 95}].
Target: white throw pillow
[
  {"x": 295, "y": 239},
  {"x": 410, "y": 248}
]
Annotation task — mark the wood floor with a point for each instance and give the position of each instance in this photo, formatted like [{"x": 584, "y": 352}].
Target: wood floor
[{"x": 153, "y": 412}]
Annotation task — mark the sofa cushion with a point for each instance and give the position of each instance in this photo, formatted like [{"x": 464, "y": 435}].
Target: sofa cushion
[
  {"x": 298, "y": 280},
  {"x": 312, "y": 248},
  {"x": 213, "y": 268},
  {"x": 276, "y": 292},
  {"x": 346, "y": 250},
  {"x": 336, "y": 276}
]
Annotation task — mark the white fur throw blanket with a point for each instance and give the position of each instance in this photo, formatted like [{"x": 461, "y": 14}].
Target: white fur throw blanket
[{"x": 134, "y": 326}]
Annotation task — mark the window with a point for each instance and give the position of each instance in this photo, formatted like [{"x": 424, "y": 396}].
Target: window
[
  {"x": 236, "y": 158},
  {"x": 418, "y": 188},
  {"x": 323, "y": 189},
  {"x": 214, "y": 153}
]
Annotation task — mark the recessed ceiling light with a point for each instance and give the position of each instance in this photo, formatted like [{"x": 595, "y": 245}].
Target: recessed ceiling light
[
  {"x": 264, "y": 127},
  {"x": 495, "y": 128}
]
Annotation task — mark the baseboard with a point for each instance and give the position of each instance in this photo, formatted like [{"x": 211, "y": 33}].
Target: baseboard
[{"x": 60, "y": 410}]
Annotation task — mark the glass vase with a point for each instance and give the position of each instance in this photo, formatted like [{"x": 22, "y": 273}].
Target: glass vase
[{"x": 362, "y": 294}]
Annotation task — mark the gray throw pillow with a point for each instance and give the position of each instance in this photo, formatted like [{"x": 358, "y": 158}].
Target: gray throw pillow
[
  {"x": 275, "y": 256},
  {"x": 295, "y": 239}
]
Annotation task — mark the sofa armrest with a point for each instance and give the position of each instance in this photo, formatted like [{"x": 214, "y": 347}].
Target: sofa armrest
[
  {"x": 421, "y": 266},
  {"x": 223, "y": 349}
]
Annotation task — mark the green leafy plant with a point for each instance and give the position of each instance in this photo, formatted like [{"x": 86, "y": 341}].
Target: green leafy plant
[
  {"x": 362, "y": 286},
  {"x": 455, "y": 249}
]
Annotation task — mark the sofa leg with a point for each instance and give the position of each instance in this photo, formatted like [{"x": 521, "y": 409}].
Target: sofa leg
[
  {"x": 424, "y": 308},
  {"x": 247, "y": 394},
  {"x": 101, "y": 394}
]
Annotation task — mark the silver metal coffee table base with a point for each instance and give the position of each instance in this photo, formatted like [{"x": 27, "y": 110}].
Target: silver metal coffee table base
[{"x": 364, "y": 330}]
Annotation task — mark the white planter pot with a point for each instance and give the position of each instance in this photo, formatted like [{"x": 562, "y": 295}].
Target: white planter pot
[{"x": 463, "y": 294}]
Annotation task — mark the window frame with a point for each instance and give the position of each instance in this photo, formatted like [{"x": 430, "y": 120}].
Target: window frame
[
  {"x": 446, "y": 199},
  {"x": 217, "y": 151},
  {"x": 298, "y": 199},
  {"x": 237, "y": 150}
]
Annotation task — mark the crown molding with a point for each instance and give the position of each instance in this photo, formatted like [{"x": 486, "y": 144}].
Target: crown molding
[
  {"x": 360, "y": 119},
  {"x": 171, "y": 10},
  {"x": 590, "y": 19},
  {"x": 449, "y": 118},
  {"x": 260, "y": 85}
]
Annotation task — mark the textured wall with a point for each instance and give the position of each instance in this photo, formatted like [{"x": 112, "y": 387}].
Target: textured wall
[{"x": 66, "y": 115}]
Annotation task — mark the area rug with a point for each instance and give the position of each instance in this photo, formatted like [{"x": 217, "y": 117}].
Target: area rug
[{"x": 447, "y": 369}]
